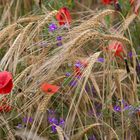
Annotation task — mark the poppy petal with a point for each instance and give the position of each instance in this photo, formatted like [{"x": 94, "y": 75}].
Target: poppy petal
[
  {"x": 117, "y": 48},
  {"x": 6, "y": 83},
  {"x": 8, "y": 87},
  {"x": 49, "y": 89},
  {"x": 5, "y": 77},
  {"x": 106, "y": 1},
  {"x": 63, "y": 16}
]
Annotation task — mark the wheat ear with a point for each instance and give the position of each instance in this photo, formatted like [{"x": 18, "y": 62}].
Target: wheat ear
[{"x": 44, "y": 103}]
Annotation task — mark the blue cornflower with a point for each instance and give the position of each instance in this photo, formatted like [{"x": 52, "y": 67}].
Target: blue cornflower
[
  {"x": 19, "y": 126},
  {"x": 73, "y": 83},
  {"x": 59, "y": 44},
  {"x": 54, "y": 122},
  {"x": 117, "y": 108},
  {"x": 25, "y": 120},
  {"x": 59, "y": 38},
  {"x": 78, "y": 64},
  {"x": 52, "y": 27},
  {"x": 130, "y": 54},
  {"x": 68, "y": 74},
  {"x": 100, "y": 59}
]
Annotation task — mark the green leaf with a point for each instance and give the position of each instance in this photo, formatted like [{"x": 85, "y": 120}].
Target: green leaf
[{"x": 107, "y": 20}]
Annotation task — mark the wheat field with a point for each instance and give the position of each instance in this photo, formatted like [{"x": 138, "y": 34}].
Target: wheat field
[{"x": 99, "y": 89}]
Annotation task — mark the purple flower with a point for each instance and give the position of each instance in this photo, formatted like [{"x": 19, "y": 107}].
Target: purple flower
[
  {"x": 78, "y": 76},
  {"x": 68, "y": 74},
  {"x": 19, "y": 126},
  {"x": 128, "y": 107},
  {"x": 117, "y": 108},
  {"x": 124, "y": 103},
  {"x": 52, "y": 27},
  {"x": 100, "y": 59},
  {"x": 30, "y": 120},
  {"x": 61, "y": 122},
  {"x": 59, "y": 44},
  {"x": 92, "y": 138},
  {"x": 78, "y": 64},
  {"x": 130, "y": 54},
  {"x": 25, "y": 120},
  {"x": 53, "y": 128},
  {"x": 53, "y": 120},
  {"x": 59, "y": 38},
  {"x": 73, "y": 83}
]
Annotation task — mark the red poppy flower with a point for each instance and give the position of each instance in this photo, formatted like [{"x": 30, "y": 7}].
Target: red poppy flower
[
  {"x": 5, "y": 108},
  {"x": 63, "y": 16},
  {"x": 49, "y": 89},
  {"x": 107, "y": 1},
  {"x": 117, "y": 48},
  {"x": 6, "y": 83}
]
